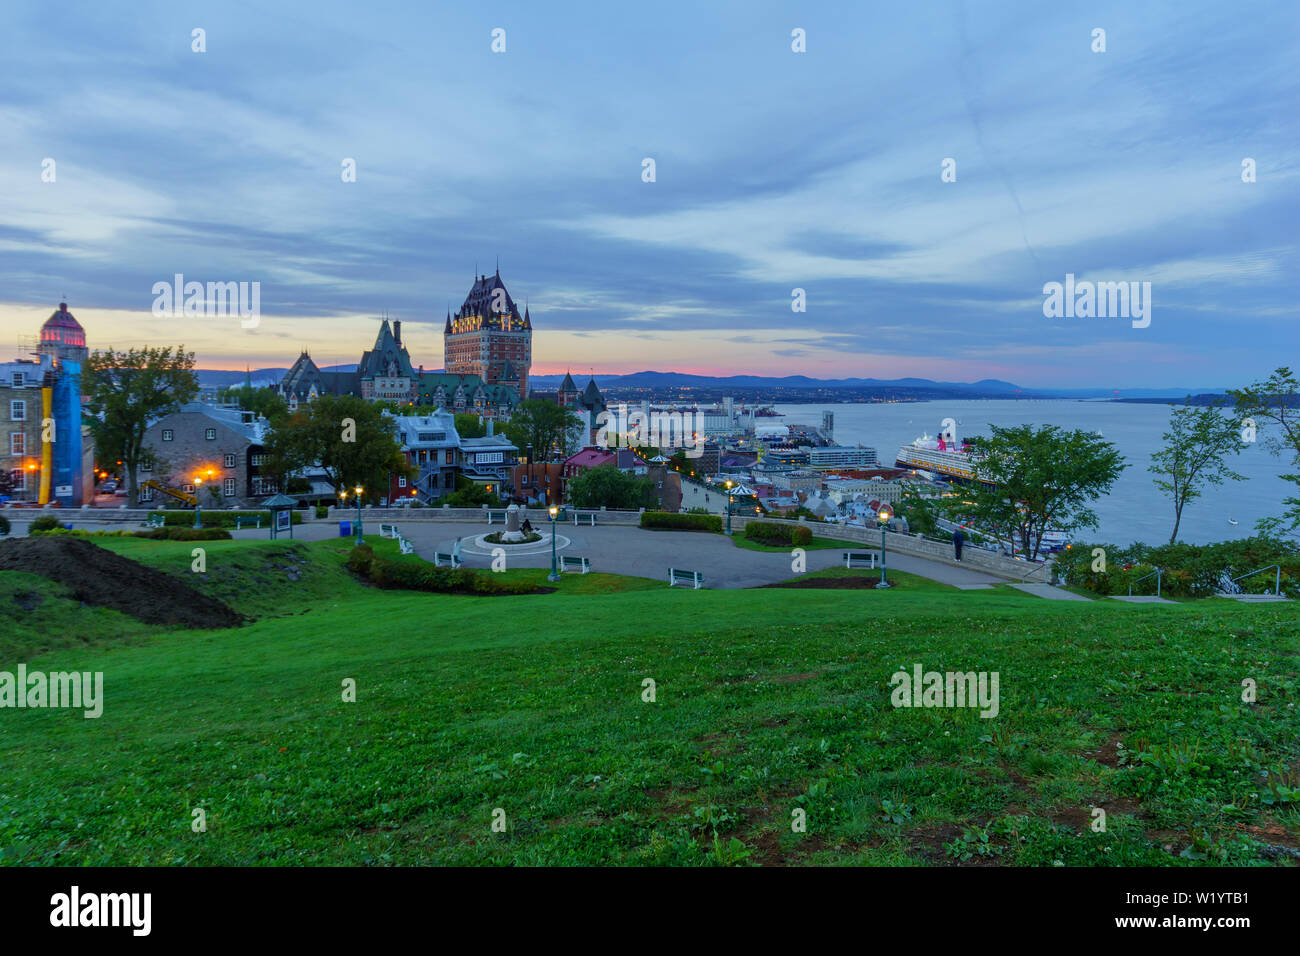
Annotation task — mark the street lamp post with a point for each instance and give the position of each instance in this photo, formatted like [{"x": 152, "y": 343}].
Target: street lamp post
[
  {"x": 358, "y": 490},
  {"x": 198, "y": 501},
  {"x": 883, "y": 517},
  {"x": 730, "y": 500},
  {"x": 555, "y": 574}
]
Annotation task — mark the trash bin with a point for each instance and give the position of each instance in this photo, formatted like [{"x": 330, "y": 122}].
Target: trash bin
[{"x": 345, "y": 529}]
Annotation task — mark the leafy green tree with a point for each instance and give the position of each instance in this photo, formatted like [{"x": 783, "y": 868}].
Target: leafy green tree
[
  {"x": 1274, "y": 405},
  {"x": 468, "y": 494},
  {"x": 347, "y": 436},
  {"x": 1042, "y": 478},
  {"x": 262, "y": 401},
  {"x": 542, "y": 424},
  {"x": 608, "y": 487},
  {"x": 129, "y": 390},
  {"x": 1198, "y": 442},
  {"x": 469, "y": 426},
  {"x": 921, "y": 512}
]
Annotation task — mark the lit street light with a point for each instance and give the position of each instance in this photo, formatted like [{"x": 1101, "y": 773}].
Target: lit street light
[
  {"x": 883, "y": 517},
  {"x": 359, "y": 489},
  {"x": 555, "y": 574},
  {"x": 198, "y": 501}
]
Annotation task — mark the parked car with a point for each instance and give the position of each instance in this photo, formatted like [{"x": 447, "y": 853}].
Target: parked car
[
  {"x": 119, "y": 492},
  {"x": 107, "y": 487}
]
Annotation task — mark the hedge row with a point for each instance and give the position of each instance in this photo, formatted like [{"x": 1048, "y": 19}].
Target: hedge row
[
  {"x": 1192, "y": 571},
  {"x": 413, "y": 576},
  {"x": 155, "y": 534},
  {"x": 219, "y": 519},
  {"x": 680, "y": 522},
  {"x": 768, "y": 532}
]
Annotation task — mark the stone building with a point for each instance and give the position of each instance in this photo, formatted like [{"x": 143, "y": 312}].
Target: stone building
[
  {"x": 214, "y": 452},
  {"x": 488, "y": 337}
]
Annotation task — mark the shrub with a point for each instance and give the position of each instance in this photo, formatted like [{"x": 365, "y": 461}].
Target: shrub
[
  {"x": 322, "y": 511},
  {"x": 680, "y": 522},
  {"x": 46, "y": 523},
  {"x": 414, "y": 576},
  {"x": 768, "y": 532},
  {"x": 183, "y": 534},
  {"x": 4, "y": 525},
  {"x": 220, "y": 519},
  {"x": 1192, "y": 571}
]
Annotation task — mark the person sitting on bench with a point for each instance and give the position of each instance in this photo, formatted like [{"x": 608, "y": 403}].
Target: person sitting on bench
[{"x": 526, "y": 527}]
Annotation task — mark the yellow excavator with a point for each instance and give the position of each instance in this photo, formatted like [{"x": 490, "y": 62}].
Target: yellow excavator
[{"x": 184, "y": 496}]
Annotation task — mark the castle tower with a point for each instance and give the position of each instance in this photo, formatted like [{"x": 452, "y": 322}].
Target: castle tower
[{"x": 488, "y": 337}]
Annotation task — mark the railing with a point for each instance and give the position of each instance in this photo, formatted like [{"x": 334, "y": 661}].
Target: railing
[
  {"x": 1277, "y": 578},
  {"x": 1042, "y": 567},
  {"x": 1159, "y": 576}
]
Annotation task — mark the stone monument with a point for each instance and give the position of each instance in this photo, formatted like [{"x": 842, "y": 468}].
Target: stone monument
[{"x": 512, "y": 534}]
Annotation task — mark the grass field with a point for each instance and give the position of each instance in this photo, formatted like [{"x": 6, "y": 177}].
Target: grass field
[{"x": 767, "y": 701}]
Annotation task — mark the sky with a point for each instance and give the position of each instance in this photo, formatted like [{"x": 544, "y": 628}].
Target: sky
[{"x": 774, "y": 170}]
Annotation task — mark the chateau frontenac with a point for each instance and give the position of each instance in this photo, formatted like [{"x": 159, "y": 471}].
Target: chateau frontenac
[{"x": 488, "y": 349}]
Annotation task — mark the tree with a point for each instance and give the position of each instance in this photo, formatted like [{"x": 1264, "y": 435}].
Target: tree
[
  {"x": 351, "y": 439},
  {"x": 920, "y": 512},
  {"x": 1041, "y": 478},
  {"x": 608, "y": 487},
  {"x": 468, "y": 494},
  {"x": 127, "y": 392},
  {"x": 1195, "y": 446},
  {"x": 1276, "y": 402},
  {"x": 542, "y": 424},
  {"x": 262, "y": 401},
  {"x": 469, "y": 426}
]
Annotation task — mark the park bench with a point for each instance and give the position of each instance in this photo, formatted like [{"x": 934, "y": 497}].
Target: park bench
[
  {"x": 405, "y": 546},
  {"x": 451, "y": 560},
  {"x": 867, "y": 556},
  {"x": 495, "y": 516},
  {"x": 573, "y": 562},
  {"x": 388, "y": 531},
  {"x": 584, "y": 517},
  {"x": 678, "y": 576},
  {"x": 155, "y": 521},
  {"x": 255, "y": 521}
]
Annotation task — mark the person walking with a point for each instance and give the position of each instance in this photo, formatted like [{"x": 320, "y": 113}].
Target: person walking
[{"x": 958, "y": 539}]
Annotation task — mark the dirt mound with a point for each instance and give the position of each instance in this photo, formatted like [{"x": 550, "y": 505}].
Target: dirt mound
[{"x": 104, "y": 579}]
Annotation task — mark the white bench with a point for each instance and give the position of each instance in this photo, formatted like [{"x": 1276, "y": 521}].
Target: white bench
[
  {"x": 584, "y": 517},
  {"x": 678, "y": 576},
  {"x": 573, "y": 562},
  {"x": 405, "y": 546},
  {"x": 450, "y": 559},
  {"x": 868, "y": 556},
  {"x": 388, "y": 531},
  {"x": 256, "y": 522},
  {"x": 494, "y": 516}
]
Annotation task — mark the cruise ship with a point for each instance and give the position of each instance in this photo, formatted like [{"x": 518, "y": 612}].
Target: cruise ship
[{"x": 942, "y": 457}]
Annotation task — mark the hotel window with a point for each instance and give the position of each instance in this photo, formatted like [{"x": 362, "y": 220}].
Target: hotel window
[
  {"x": 210, "y": 434},
  {"x": 230, "y": 461},
  {"x": 20, "y": 479},
  {"x": 167, "y": 434},
  {"x": 18, "y": 379},
  {"x": 18, "y": 410},
  {"x": 146, "y": 494},
  {"x": 146, "y": 464},
  {"x": 228, "y": 487},
  {"x": 17, "y": 443},
  {"x": 401, "y": 481},
  {"x": 188, "y": 489}
]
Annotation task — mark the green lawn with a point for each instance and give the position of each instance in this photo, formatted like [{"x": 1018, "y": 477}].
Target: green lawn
[{"x": 767, "y": 701}]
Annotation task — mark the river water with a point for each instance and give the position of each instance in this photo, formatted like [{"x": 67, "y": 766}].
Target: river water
[{"x": 1134, "y": 511}]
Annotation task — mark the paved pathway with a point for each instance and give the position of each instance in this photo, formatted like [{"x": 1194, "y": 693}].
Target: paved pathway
[{"x": 1050, "y": 592}]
